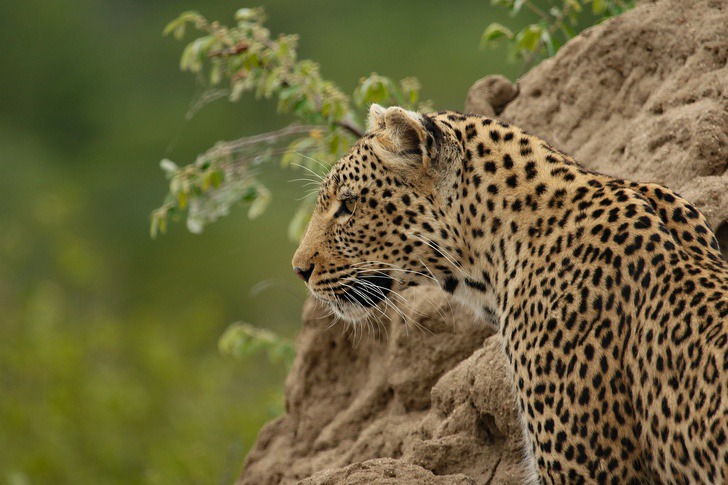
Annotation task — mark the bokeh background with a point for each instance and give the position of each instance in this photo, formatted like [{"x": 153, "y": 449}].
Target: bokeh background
[{"x": 109, "y": 368}]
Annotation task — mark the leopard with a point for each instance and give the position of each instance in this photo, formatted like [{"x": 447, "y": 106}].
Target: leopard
[{"x": 610, "y": 296}]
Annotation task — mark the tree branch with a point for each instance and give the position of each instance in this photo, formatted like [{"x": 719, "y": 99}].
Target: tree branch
[
  {"x": 272, "y": 136},
  {"x": 351, "y": 128}
]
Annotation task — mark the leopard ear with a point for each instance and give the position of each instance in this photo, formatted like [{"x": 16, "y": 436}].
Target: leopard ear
[
  {"x": 412, "y": 136},
  {"x": 376, "y": 118}
]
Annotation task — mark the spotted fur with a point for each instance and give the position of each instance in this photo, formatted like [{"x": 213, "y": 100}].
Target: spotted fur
[{"x": 611, "y": 297}]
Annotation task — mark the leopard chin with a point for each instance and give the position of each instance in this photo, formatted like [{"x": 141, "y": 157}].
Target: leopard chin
[
  {"x": 351, "y": 312},
  {"x": 362, "y": 295},
  {"x": 368, "y": 291}
]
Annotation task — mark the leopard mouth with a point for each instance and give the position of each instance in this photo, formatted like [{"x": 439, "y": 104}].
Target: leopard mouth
[{"x": 368, "y": 291}]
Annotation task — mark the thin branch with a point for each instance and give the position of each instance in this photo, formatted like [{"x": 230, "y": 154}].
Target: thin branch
[
  {"x": 230, "y": 51},
  {"x": 351, "y": 128},
  {"x": 536, "y": 10},
  {"x": 556, "y": 24},
  {"x": 273, "y": 136}
]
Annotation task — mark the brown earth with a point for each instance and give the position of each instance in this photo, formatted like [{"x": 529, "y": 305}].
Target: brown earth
[{"x": 643, "y": 96}]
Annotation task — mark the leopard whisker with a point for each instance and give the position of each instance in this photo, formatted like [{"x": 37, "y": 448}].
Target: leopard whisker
[
  {"x": 309, "y": 182},
  {"x": 366, "y": 298},
  {"x": 408, "y": 271},
  {"x": 379, "y": 291},
  {"x": 397, "y": 268},
  {"x": 406, "y": 302},
  {"x": 449, "y": 300},
  {"x": 319, "y": 162},
  {"x": 369, "y": 287},
  {"x": 442, "y": 253},
  {"x": 317, "y": 175}
]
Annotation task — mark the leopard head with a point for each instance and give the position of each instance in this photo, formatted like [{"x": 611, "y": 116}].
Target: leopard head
[{"x": 381, "y": 221}]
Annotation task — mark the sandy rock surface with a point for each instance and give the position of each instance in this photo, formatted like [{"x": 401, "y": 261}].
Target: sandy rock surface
[
  {"x": 385, "y": 471},
  {"x": 412, "y": 389},
  {"x": 424, "y": 396}
]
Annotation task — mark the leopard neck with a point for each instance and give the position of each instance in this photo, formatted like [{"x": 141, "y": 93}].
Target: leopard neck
[{"x": 513, "y": 198}]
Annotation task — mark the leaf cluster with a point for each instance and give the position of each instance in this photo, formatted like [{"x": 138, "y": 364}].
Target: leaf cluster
[
  {"x": 558, "y": 22},
  {"x": 241, "y": 340},
  {"x": 247, "y": 58}
]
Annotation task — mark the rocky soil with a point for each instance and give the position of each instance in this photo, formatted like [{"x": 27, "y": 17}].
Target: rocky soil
[{"x": 423, "y": 396}]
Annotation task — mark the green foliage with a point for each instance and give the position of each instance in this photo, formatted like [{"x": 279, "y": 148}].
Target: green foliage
[
  {"x": 558, "y": 22},
  {"x": 241, "y": 340},
  {"x": 110, "y": 369},
  {"x": 249, "y": 59},
  {"x": 79, "y": 412}
]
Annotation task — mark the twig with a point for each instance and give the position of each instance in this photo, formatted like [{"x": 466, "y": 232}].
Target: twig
[
  {"x": 273, "y": 136},
  {"x": 230, "y": 51},
  {"x": 536, "y": 10},
  {"x": 351, "y": 128},
  {"x": 557, "y": 24}
]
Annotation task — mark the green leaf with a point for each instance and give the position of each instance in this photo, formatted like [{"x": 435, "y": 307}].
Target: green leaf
[
  {"x": 211, "y": 180},
  {"x": 177, "y": 26},
  {"x": 528, "y": 39},
  {"x": 258, "y": 206},
  {"x": 297, "y": 226},
  {"x": 154, "y": 228},
  {"x": 301, "y": 107},
  {"x": 376, "y": 89},
  {"x": 549, "y": 43},
  {"x": 287, "y": 93},
  {"x": 191, "y": 59},
  {"x": 569, "y": 31},
  {"x": 599, "y": 7},
  {"x": 241, "y": 340},
  {"x": 493, "y": 33},
  {"x": 247, "y": 14},
  {"x": 168, "y": 166},
  {"x": 575, "y": 5},
  {"x": 250, "y": 193},
  {"x": 215, "y": 73},
  {"x": 237, "y": 90},
  {"x": 216, "y": 178},
  {"x": 410, "y": 87}
]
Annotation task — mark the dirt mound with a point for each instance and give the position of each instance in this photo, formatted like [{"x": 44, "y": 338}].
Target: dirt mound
[
  {"x": 423, "y": 397},
  {"x": 421, "y": 388}
]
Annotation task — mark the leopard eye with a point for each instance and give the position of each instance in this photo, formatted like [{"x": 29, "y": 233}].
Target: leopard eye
[{"x": 346, "y": 207}]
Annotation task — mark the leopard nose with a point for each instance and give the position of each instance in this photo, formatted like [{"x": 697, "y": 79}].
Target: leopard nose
[{"x": 304, "y": 274}]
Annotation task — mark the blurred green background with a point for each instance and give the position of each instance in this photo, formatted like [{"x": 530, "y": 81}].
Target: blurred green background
[{"x": 109, "y": 369}]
